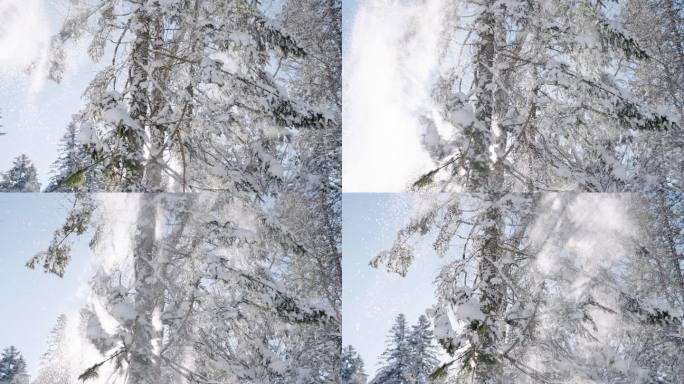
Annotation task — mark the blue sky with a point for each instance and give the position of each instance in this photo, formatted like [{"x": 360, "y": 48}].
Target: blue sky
[
  {"x": 35, "y": 111},
  {"x": 32, "y": 300},
  {"x": 372, "y": 298},
  {"x": 349, "y": 8},
  {"x": 35, "y": 120}
]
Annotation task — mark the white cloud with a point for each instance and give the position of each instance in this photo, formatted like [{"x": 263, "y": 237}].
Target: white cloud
[{"x": 393, "y": 53}]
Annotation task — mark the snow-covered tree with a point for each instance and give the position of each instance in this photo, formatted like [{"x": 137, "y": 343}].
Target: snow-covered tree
[
  {"x": 193, "y": 82},
  {"x": 658, "y": 26},
  {"x": 530, "y": 96},
  {"x": 215, "y": 287},
  {"x": 537, "y": 95},
  {"x": 219, "y": 294},
  {"x": 317, "y": 27},
  {"x": 312, "y": 219},
  {"x": 473, "y": 282},
  {"x": 309, "y": 205},
  {"x": 12, "y": 365},
  {"x": 397, "y": 359},
  {"x": 22, "y": 177},
  {"x": 660, "y": 214},
  {"x": 73, "y": 166},
  {"x": 581, "y": 288},
  {"x": 352, "y": 367},
  {"x": 55, "y": 363},
  {"x": 654, "y": 276},
  {"x": 423, "y": 351},
  {"x": 410, "y": 356}
]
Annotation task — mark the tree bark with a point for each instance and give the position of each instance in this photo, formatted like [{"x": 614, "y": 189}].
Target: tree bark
[
  {"x": 144, "y": 351},
  {"x": 665, "y": 214}
]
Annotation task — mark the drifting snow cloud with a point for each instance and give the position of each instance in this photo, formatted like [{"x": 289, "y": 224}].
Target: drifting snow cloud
[
  {"x": 24, "y": 38},
  {"x": 582, "y": 236},
  {"x": 393, "y": 53},
  {"x": 119, "y": 212}
]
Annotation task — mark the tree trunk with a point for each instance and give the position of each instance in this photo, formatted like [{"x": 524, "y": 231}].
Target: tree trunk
[
  {"x": 492, "y": 299},
  {"x": 132, "y": 172},
  {"x": 490, "y": 109},
  {"x": 480, "y": 131},
  {"x": 665, "y": 214},
  {"x": 144, "y": 364},
  {"x": 144, "y": 350}
]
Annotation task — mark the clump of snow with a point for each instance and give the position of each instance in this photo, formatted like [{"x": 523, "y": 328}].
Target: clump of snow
[
  {"x": 228, "y": 62},
  {"x": 469, "y": 310},
  {"x": 123, "y": 311},
  {"x": 86, "y": 134}
]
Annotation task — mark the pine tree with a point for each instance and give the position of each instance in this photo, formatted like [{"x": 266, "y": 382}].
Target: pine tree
[
  {"x": 423, "y": 352},
  {"x": 312, "y": 219},
  {"x": 486, "y": 263},
  {"x": 535, "y": 103},
  {"x": 396, "y": 365},
  {"x": 221, "y": 268},
  {"x": 12, "y": 365},
  {"x": 658, "y": 80},
  {"x": 310, "y": 201},
  {"x": 654, "y": 280},
  {"x": 664, "y": 42},
  {"x": 55, "y": 364},
  {"x": 310, "y": 204},
  {"x": 591, "y": 286},
  {"x": 164, "y": 138},
  {"x": 410, "y": 357},
  {"x": 315, "y": 78},
  {"x": 73, "y": 168},
  {"x": 22, "y": 177},
  {"x": 352, "y": 367},
  {"x": 191, "y": 105}
]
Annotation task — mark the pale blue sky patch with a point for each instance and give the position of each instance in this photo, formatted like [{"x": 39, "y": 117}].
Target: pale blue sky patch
[
  {"x": 36, "y": 111},
  {"x": 372, "y": 298},
  {"x": 32, "y": 300},
  {"x": 349, "y": 8}
]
